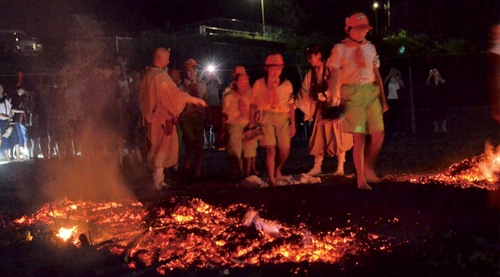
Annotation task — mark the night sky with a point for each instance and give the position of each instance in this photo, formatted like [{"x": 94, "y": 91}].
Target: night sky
[{"x": 48, "y": 19}]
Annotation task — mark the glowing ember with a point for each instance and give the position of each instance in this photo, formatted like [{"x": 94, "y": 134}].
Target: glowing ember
[
  {"x": 66, "y": 233},
  {"x": 195, "y": 234},
  {"x": 481, "y": 171}
]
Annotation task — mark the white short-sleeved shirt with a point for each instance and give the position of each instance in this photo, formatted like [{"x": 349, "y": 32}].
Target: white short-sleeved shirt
[
  {"x": 231, "y": 106},
  {"x": 261, "y": 97},
  {"x": 342, "y": 58}
]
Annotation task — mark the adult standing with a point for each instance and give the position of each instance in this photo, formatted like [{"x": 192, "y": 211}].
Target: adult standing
[
  {"x": 5, "y": 116},
  {"x": 438, "y": 100},
  {"x": 192, "y": 119},
  {"x": 19, "y": 107},
  {"x": 213, "y": 83},
  {"x": 274, "y": 109},
  {"x": 354, "y": 65},
  {"x": 328, "y": 137},
  {"x": 161, "y": 103}
]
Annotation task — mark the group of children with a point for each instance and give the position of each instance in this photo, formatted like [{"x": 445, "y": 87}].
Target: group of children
[{"x": 349, "y": 79}]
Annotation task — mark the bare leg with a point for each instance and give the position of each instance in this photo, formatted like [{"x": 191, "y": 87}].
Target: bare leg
[
  {"x": 270, "y": 163},
  {"x": 340, "y": 164},
  {"x": 247, "y": 165},
  {"x": 17, "y": 152},
  {"x": 359, "y": 159},
  {"x": 158, "y": 177},
  {"x": 254, "y": 169},
  {"x": 318, "y": 161},
  {"x": 371, "y": 153},
  {"x": 282, "y": 156}
]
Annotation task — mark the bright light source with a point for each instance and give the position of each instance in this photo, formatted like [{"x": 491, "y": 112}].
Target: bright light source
[
  {"x": 402, "y": 50},
  {"x": 211, "y": 68},
  {"x": 375, "y": 5}
]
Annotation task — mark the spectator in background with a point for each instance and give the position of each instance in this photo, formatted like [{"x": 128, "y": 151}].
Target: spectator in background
[
  {"x": 59, "y": 136},
  {"x": 5, "y": 116},
  {"x": 39, "y": 134},
  {"x": 354, "y": 65},
  {"x": 133, "y": 118},
  {"x": 273, "y": 108},
  {"x": 438, "y": 100},
  {"x": 19, "y": 107},
  {"x": 192, "y": 119},
  {"x": 395, "y": 86},
  {"x": 213, "y": 82},
  {"x": 175, "y": 74}
]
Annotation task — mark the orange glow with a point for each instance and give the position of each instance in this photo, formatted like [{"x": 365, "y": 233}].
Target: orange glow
[
  {"x": 194, "y": 233},
  {"x": 66, "y": 233},
  {"x": 482, "y": 171}
]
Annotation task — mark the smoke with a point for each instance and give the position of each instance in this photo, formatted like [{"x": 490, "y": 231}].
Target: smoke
[
  {"x": 84, "y": 180},
  {"x": 85, "y": 117}
]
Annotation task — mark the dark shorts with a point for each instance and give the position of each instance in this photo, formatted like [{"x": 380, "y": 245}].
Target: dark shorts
[{"x": 192, "y": 127}]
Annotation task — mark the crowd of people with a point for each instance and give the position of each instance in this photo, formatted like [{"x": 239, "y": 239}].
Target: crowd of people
[
  {"x": 151, "y": 114},
  {"x": 263, "y": 115}
]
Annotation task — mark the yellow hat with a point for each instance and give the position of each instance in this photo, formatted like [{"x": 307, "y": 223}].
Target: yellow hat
[
  {"x": 357, "y": 21},
  {"x": 274, "y": 60},
  {"x": 190, "y": 63}
]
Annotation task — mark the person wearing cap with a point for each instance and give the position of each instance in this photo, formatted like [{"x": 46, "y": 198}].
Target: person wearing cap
[
  {"x": 274, "y": 109},
  {"x": 161, "y": 103},
  {"x": 237, "y": 70},
  {"x": 192, "y": 119},
  {"x": 327, "y": 137},
  {"x": 354, "y": 65},
  {"x": 236, "y": 110}
]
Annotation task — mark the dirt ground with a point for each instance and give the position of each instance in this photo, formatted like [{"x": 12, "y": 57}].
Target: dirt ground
[{"x": 434, "y": 229}]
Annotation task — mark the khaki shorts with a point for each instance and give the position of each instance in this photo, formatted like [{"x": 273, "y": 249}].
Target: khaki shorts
[
  {"x": 276, "y": 128},
  {"x": 235, "y": 145},
  {"x": 362, "y": 108}
]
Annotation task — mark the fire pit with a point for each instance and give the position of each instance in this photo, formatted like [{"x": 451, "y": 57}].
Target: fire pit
[
  {"x": 320, "y": 227},
  {"x": 191, "y": 234}
]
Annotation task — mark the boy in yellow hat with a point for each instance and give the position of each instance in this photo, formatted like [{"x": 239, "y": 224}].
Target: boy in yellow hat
[{"x": 273, "y": 108}]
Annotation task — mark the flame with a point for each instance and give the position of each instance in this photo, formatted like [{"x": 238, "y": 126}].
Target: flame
[
  {"x": 66, "y": 233},
  {"x": 481, "y": 171}
]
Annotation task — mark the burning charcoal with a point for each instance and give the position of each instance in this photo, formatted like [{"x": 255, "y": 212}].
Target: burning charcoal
[
  {"x": 306, "y": 238},
  {"x": 24, "y": 236}
]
